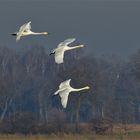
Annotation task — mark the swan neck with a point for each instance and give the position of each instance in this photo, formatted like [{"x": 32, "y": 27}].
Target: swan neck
[
  {"x": 79, "y": 89},
  {"x": 71, "y": 48},
  {"x": 41, "y": 33}
]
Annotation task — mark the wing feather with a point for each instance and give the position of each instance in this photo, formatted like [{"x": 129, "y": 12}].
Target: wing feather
[
  {"x": 24, "y": 28},
  {"x": 64, "y": 97},
  {"x": 66, "y": 42},
  {"x": 65, "y": 83},
  {"x": 59, "y": 56}
]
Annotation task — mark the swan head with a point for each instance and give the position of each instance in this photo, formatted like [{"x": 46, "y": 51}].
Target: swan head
[
  {"x": 45, "y": 33},
  {"x": 81, "y": 46},
  {"x": 87, "y": 87}
]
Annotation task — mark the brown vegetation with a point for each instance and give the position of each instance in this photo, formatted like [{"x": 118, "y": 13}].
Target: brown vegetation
[{"x": 131, "y": 132}]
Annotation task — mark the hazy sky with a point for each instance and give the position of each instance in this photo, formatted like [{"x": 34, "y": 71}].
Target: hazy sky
[{"x": 105, "y": 26}]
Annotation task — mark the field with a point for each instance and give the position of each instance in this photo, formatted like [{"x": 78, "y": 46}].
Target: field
[
  {"x": 120, "y": 132},
  {"x": 131, "y": 136}
]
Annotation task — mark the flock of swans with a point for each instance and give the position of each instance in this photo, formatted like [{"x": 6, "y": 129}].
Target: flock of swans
[{"x": 64, "y": 87}]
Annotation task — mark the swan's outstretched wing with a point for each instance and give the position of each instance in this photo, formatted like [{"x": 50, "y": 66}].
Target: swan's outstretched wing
[
  {"x": 59, "y": 55},
  {"x": 24, "y": 28},
  {"x": 66, "y": 42},
  {"x": 64, "y": 97},
  {"x": 65, "y": 84}
]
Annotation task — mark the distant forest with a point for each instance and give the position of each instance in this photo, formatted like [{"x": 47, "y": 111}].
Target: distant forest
[{"x": 29, "y": 78}]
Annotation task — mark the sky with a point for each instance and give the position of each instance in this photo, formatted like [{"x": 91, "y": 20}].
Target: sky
[{"x": 104, "y": 26}]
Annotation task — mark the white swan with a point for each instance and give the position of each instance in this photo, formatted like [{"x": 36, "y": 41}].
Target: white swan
[
  {"x": 61, "y": 48},
  {"x": 65, "y": 89},
  {"x": 25, "y": 30}
]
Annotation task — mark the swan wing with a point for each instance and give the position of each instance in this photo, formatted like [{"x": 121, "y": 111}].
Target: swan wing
[
  {"x": 65, "y": 83},
  {"x": 64, "y": 97},
  {"x": 19, "y": 34},
  {"x": 59, "y": 55},
  {"x": 24, "y": 28},
  {"x": 28, "y": 26},
  {"x": 67, "y": 42}
]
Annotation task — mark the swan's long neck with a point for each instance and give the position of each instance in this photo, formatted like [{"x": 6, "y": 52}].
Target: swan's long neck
[
  {"x": 41, "y": 33},
  {"x": 79, "y": 46},
  {"x": 79, "y": 89}
]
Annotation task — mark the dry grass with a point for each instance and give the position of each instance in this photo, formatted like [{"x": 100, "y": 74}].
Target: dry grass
[
  {"x": 120, "y": 132},
  {"x": 129, "y": 136},
  {"x": 132, "y": 136}
]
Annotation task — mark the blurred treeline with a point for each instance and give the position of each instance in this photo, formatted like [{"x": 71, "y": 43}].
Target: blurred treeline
[{"x": 29, "y": 78}]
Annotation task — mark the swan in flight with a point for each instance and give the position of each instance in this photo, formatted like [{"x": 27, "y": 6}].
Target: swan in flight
[
  {"x": 25, "y": 30},
  {"x": 64, "y": 90},
  {"x": 61, "y": 48}
]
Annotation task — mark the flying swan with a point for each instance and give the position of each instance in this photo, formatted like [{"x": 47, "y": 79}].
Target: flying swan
[
  {"x": 25, "y": 30},
  {"x": 64, "y": 90},
  {"x": 61, "y": 48}
]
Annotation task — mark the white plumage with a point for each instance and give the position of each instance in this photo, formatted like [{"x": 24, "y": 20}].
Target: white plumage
[
  {"x": 64, "y": 90},
  {"x": 25, "y": 30},
  {"x": 61, "y": 48}
]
